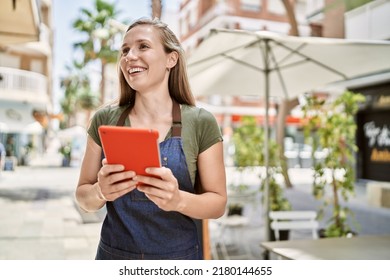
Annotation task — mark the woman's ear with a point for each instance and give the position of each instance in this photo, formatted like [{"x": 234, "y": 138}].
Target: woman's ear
[{"x": 172, "y": 59}]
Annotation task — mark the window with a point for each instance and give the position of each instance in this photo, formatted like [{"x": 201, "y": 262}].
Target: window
[
  {"x": 251, "y": 5},
  {"x": 276, "y": 7}
]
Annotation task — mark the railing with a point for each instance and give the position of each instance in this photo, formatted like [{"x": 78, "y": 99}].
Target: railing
[
  {"x": 22, "y": 81},
  {"x": 44, "y": 33}
]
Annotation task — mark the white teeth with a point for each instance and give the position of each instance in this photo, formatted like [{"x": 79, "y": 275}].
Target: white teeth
[{"x": 136, "y": 69}]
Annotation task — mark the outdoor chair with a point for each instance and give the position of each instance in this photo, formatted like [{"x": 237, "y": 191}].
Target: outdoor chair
[
  {"x": 226, "y": 232},
  {"x": 220, "y": 231},
  {"x": 294, "y": 220}
]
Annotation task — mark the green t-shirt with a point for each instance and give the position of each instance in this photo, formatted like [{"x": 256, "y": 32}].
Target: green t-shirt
[{"x": 200, "y": 130}]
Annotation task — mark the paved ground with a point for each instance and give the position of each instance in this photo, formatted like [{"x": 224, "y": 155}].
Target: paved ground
[{"x": 39, "y": 219}]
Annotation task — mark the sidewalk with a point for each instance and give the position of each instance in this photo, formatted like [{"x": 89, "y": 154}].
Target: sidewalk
[{"x": 39, "y": 218}]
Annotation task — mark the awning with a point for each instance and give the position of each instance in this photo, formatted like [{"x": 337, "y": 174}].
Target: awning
[{"x": 19, "y": 22}]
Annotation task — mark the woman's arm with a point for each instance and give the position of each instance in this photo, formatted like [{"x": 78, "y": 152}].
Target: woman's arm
[
  {"x": 209, "y": 204},
  {"x": 87, "y": 193},
  {"x": 100, "y": 183},
  {"x": 212, "y": 200}
]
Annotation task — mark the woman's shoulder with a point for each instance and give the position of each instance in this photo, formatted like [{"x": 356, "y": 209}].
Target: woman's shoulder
[
  {"x": 199, "y": 119},
  {"x": 108, "y": 108},
  {"x": 196, "y": 113},
  {"x": 108, "y": 113},
  {"x": 202, "y": 125}
]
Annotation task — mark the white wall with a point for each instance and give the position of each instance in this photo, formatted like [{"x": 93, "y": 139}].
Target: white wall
[{"x": 370, "y": 21}]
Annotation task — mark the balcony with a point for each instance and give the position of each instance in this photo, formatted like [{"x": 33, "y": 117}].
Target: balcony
[
  {"x": 370, "y": 21},
  {"x": 22, "y": 86}
]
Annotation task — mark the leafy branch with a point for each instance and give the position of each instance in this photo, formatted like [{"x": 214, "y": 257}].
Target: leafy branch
[{"x": 332, "y": 127}]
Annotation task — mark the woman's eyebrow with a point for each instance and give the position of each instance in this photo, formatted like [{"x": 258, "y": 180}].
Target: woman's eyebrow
[{"x": 144, "y": 40}]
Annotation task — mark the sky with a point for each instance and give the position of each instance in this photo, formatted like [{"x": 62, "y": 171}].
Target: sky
[{"x": 66, "y": 11}]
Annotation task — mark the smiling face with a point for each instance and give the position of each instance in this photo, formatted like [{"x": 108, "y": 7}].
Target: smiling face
[{"x": 143, "y": 61}]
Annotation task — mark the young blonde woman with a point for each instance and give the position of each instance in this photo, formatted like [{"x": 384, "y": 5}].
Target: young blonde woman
[{"x": 158, "y": 219}]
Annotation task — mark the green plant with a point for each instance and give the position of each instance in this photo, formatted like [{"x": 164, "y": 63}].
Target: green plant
[
  {"x": 249, "y": 146},
  {"x": 66, "y": 151},
  {"x": 237, "y": 189},
  {"x": 99, "y": 37},
  {"x": 277, "y": 200},
  {"x": 331, "y": 126},
  {"x": 77, "y": 93}
]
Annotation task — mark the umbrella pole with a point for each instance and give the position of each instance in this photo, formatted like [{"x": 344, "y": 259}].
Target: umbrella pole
[{"x": 266, "y": 141}]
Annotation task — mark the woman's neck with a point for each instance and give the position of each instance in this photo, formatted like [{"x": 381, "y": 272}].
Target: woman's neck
[{"x": 150, "y": 109}]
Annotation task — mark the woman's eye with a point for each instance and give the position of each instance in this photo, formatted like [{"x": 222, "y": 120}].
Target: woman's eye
[
  {"x": 125, "y": 51},
  {"x": 143, "y": 46}
]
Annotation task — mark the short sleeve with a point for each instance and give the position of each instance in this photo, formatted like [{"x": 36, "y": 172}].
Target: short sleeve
[
  {"x": 209, "y": 132},
  {"x": 98, "y": 119},
  {"x": 108, "y": 115}
]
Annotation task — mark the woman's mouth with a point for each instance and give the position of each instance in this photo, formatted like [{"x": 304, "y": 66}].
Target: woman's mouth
[{"x": 136, "y": 70}]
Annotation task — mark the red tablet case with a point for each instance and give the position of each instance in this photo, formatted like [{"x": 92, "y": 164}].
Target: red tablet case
[{"x": 135, "y": 148}]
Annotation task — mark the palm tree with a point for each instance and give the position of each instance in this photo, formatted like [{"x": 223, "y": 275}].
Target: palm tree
[
  {"x": 286, "y": 106},
  {"x": 291, "y": 17},
  {"x": 100, "y": 40},
  {"x": 71, "y": 83},
  {"x": 77, "y": 93},
  {"x": 87, "y": 101},
  {"x": 156, "y": 8}
]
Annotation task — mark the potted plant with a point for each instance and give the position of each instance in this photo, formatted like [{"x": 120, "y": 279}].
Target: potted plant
[
  {"x": 331, "y": 126},
  {"x": 66, "y": 151},
  {"x": 236, "y": 208},
  {"x": 248, "y": 140}
]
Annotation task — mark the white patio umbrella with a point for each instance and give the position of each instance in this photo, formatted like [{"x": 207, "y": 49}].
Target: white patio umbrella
[{"x": 238, "y": 62}]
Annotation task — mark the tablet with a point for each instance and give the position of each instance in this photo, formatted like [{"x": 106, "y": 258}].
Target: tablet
[{"x": 135, "y": 148}]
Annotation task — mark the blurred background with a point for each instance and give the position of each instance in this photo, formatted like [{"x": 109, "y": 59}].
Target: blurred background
[{"x": 58, "y": 65}]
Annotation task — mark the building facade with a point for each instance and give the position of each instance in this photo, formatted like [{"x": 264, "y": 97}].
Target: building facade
[
  {"x": 363, "y": 20},
  {"x": 25, "y": 77},
  {"x": 198, "y": 17}
]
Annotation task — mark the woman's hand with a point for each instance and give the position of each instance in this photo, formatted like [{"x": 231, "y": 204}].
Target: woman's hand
[
  {"x": 163, "y": 190},
  {"x": 209, "y": 203},
  {"x": 113, "y": 182}
]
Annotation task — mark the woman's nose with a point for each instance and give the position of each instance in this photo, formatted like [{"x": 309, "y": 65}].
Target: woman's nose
[{"x": 131, "y": 55}]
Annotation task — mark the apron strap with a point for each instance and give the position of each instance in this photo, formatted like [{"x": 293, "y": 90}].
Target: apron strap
[
  {"x": 123, "y": 116},
  {"x": 176, "y": 116}
]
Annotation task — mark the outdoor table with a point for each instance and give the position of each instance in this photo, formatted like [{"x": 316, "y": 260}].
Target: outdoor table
[{"x": 333, "y": 248}]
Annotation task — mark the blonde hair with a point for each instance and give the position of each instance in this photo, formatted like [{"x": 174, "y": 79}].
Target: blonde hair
[{"x": 178, "y": 84}]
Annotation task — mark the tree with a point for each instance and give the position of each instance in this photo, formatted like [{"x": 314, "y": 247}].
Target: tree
[
  {"x": 291, "y": 17},
  {"x": 284, "y": 109},
  {"x": 77, "y": 93},
  {"x": 156, "y": 8},
  {"x": 331, "y": 126},
  {"x": 249, "y": 146},
  {"x": 286, "y": 105},
  {"x": 100, "y": 37},
  {"x": 71, "y": 83}
]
